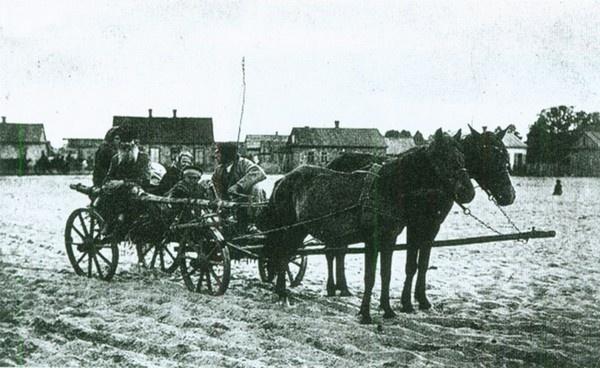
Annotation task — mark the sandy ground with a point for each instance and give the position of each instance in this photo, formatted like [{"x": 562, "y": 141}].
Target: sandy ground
[{"x": 501, "y": 304}]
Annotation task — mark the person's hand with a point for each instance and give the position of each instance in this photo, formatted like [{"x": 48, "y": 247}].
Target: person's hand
[{"x": 234, "y": 189}]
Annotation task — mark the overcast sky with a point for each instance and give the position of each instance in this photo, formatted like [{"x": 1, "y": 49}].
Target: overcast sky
[{"x": 72, "y": 65}]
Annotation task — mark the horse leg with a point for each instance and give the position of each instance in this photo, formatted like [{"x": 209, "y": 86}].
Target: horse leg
[
  {"x": 330, "y": 280},
  {"x": 370, "y": 264},
  {"x": 340, "y": 274},
  {"x": 386, "y": 273},
  {"x": 410, "y": 270},
  {"x": 420, "y": 296}
]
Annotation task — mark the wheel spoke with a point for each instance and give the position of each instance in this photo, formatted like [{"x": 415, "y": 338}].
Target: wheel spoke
[
  {"x": 98, "y": 267},
  {"x": 90, "y": 266},
  {"x": 83, "y": 227},
  {"x": 217, "y": 279},
  {"x": 146, "y": 250},
  {"x": 297, "y": 263},
  {"x": 289, "y": 274},
  {"x": 78, "y": 232},
  {"x": 169, "y": 253},
  {"x": 153, "y": 257},
  {"x": 81, "y": 258},
  {"x": 162, "y": 258},
  {"x": 109, "y": 263},
  {"x": 208, "y": 283}
]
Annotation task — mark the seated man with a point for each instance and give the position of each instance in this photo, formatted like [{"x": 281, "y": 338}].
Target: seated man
[
  {"x": 175, "y": 172},
  {"x": 128, "y": 166},
  {"x": 235, "y": 178},
  {"x": 104, "y": 155},
  {"x": 235, "y": 175}
]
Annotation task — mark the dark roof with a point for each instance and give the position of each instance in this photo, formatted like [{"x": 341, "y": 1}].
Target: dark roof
[
  {"x": 254, "y": 140},
  {"x": 22, "y": 133},
  {"x": 83, "y": 142},
  {"x": 163, "y": 130},
  {"x": 589, "y": 139},
  {"x": 396, "y": 146},
  {"x": 336, "y": 137}
]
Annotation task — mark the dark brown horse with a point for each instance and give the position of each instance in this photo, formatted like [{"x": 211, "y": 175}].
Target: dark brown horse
[
  {"x": 486, "y": 160},
  {"x": 371, "y": 207}
]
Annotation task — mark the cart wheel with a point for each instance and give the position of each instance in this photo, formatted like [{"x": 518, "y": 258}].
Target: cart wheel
[
  {"x": 89, "y": 255},
  {"x": 204, "y": 262},
  {"x": 162, "y": 255},
  {"x": 295, "y": 270}
]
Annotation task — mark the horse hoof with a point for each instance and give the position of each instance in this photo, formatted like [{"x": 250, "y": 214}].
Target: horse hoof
[
  {"x": 389, "y": 314},
  {"x": 365, "y": 319},
  {"x": 330, "y": 292},
  {"x": 345, "y": 293},
  {"x": 407, "y": 309}
]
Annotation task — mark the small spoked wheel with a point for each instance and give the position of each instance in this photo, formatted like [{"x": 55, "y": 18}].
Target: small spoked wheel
[
  {"x": 294, "y": 272},
  {"x": 204, "y": 262},
  {"x": 162, "y": 255},
  {"x": 89, "y": 254}
]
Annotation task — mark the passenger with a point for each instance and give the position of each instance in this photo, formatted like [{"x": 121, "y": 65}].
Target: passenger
[
  {"x": 235, "y": 175},
  {"x": 189, "y": 186},
  {"x": 104, "y": 154},
  {"x": 128, "y": 166},
  {"x": 175, "y": 172}
]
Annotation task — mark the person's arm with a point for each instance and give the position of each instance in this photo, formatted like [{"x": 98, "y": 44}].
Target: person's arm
[
  {"x": 252, "y": 174},
  {"x": 112, "y": 169}
]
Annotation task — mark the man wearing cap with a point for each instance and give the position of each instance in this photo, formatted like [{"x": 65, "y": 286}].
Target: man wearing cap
[
  {"x": 104, "y": 154},
  {"x": 175, "y": 172},
  {"x": 235, "y": 175},
  {"x": 129, "y": 164}
]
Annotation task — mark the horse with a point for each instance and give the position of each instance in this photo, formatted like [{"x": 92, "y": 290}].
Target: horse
[
  {"x": 364, "y": 207},
  {"x": 486, "y": 160}
]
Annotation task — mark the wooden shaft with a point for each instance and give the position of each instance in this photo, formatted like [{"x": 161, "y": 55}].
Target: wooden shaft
[{"x": 534, "y": 234}]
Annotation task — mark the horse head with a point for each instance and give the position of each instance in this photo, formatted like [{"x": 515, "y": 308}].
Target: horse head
[
  {"x": 487, "y": 160},
  {"x": 448, "y": 163}
]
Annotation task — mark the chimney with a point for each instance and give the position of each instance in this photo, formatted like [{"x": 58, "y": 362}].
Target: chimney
[
  {"x": 484, "y": 128},
  {"x": 276, "y": 133},
  {"x": 4, "y": 119},
  {"x": 149, "y": 113},
  {"x": 337, "y": 123},
  {"x": 174, "y": 113}
]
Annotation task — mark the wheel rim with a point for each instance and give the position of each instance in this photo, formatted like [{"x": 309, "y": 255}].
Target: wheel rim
[
  {"x": 205, "y": 266},
  {"x": 295, "y": 270},
  {"x": 89, "y": 255},
  {"x": 162, "y": 256}
]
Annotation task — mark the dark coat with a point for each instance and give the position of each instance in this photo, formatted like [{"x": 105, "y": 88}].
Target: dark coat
[
  {"x": 137, "y": 171},
  {"x": 172, "y": 176},
  {"x": 102, "y": 159}
]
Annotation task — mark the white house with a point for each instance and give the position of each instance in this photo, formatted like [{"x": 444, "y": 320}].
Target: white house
[{"x": 517, "y": 150}]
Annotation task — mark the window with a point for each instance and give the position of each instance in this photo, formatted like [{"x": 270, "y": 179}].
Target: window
[
  {"x": 199, "y": 156},
  {"x": 310, "y": 158},
  {"x": 519, "y": 160},
  {"x": 324, "y": 158},
  {"x": 155, "y": 154}
]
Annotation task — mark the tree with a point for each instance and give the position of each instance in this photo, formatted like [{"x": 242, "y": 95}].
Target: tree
[
  {"x": 555, "y": 131},
  {"x": 419, "y": 139},
  {"x": 392, "y": 134},
  {"x": 511, "y": 128}
]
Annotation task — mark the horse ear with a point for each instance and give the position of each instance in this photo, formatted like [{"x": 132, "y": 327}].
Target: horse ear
[
  {"x": 502, "y": 133},
  {"x": 457, "y": 135},
  {"x": 439, "y": 133},
  {"x": 473, "y": 131}
]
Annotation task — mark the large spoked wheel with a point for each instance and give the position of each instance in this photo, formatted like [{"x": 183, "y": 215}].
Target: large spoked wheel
[
  {"x": 204, "y": 262},
  {"x": 162, "y": 256},
  {"x": 295, "y": 270},
  {"x": 88, "y": 253}
]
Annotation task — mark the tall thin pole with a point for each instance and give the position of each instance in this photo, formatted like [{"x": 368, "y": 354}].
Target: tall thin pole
[{"x": 243, "y": 101}]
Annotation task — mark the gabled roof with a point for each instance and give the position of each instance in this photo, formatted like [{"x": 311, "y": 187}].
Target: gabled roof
[
  {"x": 396, "y": 146},
  {"x": 164, "y": 130},
  {"x": 336, "y": 137},
  {"x": 255, "y": 140},
  {"x": 22, "y": 133},
  {"x": 83, "y": 142},
  {"x": 510, "y": 140},
  {"x": 589, "y": 139}
]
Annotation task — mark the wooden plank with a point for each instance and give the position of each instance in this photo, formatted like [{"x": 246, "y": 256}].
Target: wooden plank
[{"x": 533, "y": 234}]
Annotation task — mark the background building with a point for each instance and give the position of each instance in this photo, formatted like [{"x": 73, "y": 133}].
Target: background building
[
  {"x": 164, "y": 137},
  {"x": 517, "y": 150},
  {"x": 585, "y": 156},
  {"x": 318, "y": 146},
  {"x": 267, "y": 149},
  {"x": 21, "y": 146},
  {"x": 396, "y": 146}
]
